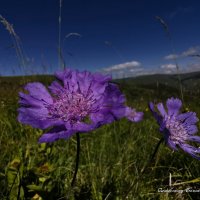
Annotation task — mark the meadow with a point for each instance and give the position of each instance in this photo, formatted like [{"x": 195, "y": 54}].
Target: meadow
[{"x": 115, "y": 160}]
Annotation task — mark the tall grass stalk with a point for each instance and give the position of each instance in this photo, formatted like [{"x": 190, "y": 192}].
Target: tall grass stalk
[
  {"x": 166, "y": 29},
  {"x": 61, "y": 63},
  {"x": 16, "y": 42}
]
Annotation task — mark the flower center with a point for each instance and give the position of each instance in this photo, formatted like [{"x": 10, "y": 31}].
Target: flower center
[
  {"x": 70, "y": 107},
  {"x": 178, "y": 133}
]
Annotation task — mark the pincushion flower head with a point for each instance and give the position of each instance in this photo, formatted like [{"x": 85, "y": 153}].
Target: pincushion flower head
[
  {"x": 75, "y": 102},
  {"x": 179, "y": 129}
]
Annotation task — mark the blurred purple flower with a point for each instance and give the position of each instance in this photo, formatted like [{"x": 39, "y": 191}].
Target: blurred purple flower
[
  {"x": 178, "y": 128},
  {"x": 77, "y": 102},
  {"x": 133, "y": 116}
]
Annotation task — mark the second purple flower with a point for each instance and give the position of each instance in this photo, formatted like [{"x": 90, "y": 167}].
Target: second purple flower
[{"x": 178, "y": 128}]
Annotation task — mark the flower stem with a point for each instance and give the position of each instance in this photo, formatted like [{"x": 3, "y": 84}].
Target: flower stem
[
  {"x": 144, "y": 168},
  {"x": 77, "y": 158},
  {"x": 153, "y": 155}
]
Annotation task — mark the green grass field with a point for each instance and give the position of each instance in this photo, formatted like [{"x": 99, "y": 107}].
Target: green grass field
[{"x": 112, "y": 157}]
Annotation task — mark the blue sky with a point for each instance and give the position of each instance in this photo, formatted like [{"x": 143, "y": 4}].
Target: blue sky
[{"x": 121, "y": 37}]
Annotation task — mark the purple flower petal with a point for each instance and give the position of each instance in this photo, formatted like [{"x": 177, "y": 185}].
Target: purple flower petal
[
  {"x": 134, "y": 116},
  {"x": 155, "y": 114},
  {"x": 161, "y": 109},
  {"x": 52, "y": 137},
  {"x": 190, "y": 150},
  {"x": 194, "y": 139},
  {"x": 97, "y": 117},
  {"x": 119, "y": 112},
  {"x": 82, "y": 127},
  {"x": 28, "y": 101},
  {"x": 64, "y": 76},
  {"x": 102, "y": 78},
  {"x": 173, "y": 106},
  {"x": 36, "y": 117},
  {"x": 191, "y": 129},
  {"x": 39, "y": 92},
  {"x": 188, "y": 118},
  {"x": 171, "y": 144},
  {"x": 56, "y": 88},
  {"x": 84, "y": 81}
]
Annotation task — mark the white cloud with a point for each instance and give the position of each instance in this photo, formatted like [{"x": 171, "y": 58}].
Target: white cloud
[
  {"x": 123, "y": 66},
  {"x": 168, "y": 66},
  {"x": 191, "y": 67},
  {"x": 171, "y": 57},
  {"x": 191, "y": 51},
  {"x": 136, "y": 70}
]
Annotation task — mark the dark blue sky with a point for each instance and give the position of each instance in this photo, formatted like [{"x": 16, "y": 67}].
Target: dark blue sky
[{"x": 136, "y": 41}]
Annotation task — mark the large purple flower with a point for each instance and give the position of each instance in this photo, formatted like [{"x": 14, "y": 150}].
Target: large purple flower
[
  {"x": 76, "y": 102},
  {"x": 178, "y": 128}
]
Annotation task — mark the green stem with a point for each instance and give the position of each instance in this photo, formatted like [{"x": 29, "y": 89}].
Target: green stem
[
  {"x": 12, "y": 184},
  {"x": 144, "y": 169},
  {"x": 19, "y": 187},
  {"x": 77, "y": 158},
  {"x": 153, "y": 155}
]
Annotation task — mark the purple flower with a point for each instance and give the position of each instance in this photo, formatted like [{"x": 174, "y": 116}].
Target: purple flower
[
  {"x": 133, "y": 116},
  {"x": 76, "y": 102},
  {"x": 178, "y": 128}
]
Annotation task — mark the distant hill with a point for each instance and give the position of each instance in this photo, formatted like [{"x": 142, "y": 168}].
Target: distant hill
[
  {"x": 188, "y": 80},
  {"x": 158, "y": 85},
  {"x": 172, "y": 80}
]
